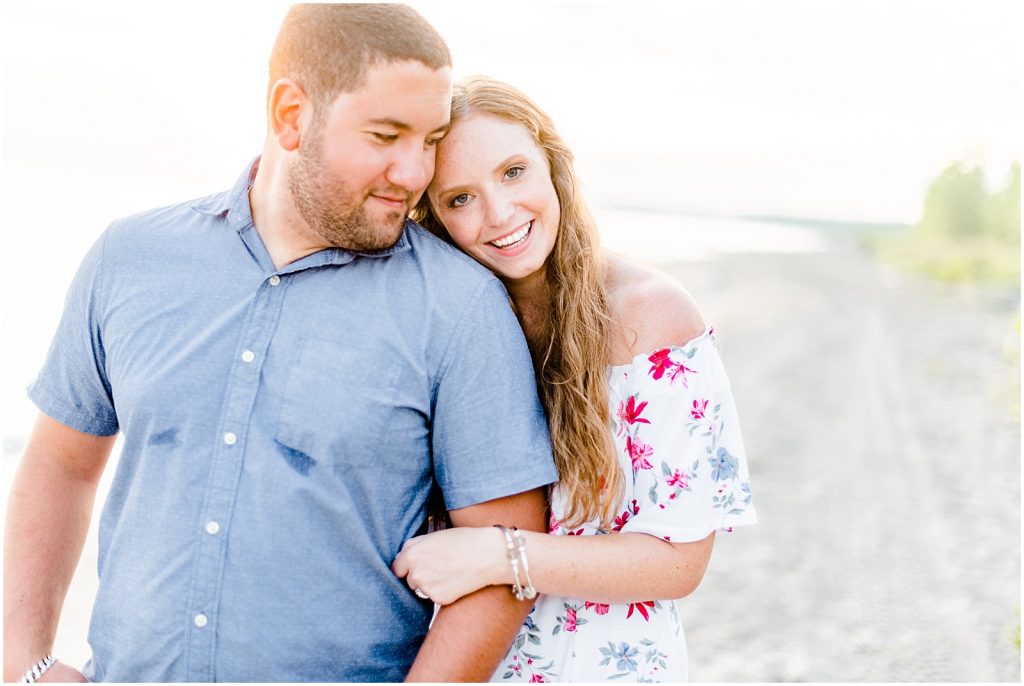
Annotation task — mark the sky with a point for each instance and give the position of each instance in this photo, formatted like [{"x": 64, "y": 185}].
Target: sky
[
  {"x": 835, "y": 109},
  {"x": 818, "y": 107}
]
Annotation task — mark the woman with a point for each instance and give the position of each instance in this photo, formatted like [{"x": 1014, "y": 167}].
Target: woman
[{"x": 643, "y": 426}]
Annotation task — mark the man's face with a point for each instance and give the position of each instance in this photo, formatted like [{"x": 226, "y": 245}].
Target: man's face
[{"x": 362, "y": 167}]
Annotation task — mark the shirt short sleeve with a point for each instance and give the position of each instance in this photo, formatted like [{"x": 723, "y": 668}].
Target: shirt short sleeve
[
  {"x": 72, "y": 386},
  {"x": 678, "y": 426},
  {"x": 490, "y": 436}
]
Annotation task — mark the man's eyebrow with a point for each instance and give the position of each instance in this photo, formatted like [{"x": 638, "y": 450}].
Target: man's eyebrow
[
  {"x": 402, "y": 126},
  {"x": 393, "y": 123}
]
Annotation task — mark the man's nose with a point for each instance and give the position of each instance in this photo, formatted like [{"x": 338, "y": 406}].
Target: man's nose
[{"x": 412, "y": 168}]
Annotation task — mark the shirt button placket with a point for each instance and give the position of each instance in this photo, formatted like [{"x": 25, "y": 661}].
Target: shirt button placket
[{"x": 239, "y": 399}]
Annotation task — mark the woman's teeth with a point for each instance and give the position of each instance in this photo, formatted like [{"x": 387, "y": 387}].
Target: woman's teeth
[{"x": 513, "y": 239}]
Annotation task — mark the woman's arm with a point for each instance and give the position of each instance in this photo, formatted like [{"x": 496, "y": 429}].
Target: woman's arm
[{"x": 612, "y": 568}]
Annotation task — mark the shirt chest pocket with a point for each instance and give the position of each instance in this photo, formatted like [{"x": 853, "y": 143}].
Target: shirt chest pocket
[{"x": 336, "y": 404}]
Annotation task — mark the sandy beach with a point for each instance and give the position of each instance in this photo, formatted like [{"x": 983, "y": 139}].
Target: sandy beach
[{"x": 881, "y": 418}]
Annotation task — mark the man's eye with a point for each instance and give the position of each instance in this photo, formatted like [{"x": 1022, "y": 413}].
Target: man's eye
[
  {"x": 385, "y": 137},
  {"x": 431, "y": 142},
  {"x": 459, "y": 200}
]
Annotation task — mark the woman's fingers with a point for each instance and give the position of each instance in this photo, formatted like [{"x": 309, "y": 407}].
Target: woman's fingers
[{"x": 401, "y": 565}]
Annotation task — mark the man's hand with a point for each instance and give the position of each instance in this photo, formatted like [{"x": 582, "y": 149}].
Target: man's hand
[{"x": 469, "y": 637}]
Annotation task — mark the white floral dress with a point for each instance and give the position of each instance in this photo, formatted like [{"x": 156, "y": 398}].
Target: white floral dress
[{"x": 680, "y": 448}]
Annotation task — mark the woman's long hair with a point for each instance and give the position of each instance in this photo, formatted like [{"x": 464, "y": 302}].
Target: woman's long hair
[{"x": 571, "y": 370}]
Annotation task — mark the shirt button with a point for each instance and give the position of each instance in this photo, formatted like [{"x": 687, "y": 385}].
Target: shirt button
[
  {"x": 230, "y": 438},
  {"x": 200, "y": 620},
  {"x": 248, "y": 356},
  {"x": 274, "y": 280},
  {"x": 212, "y": 527}
]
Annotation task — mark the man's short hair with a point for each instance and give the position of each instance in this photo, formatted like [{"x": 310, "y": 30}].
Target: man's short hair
[{"x": 328, "y": 48}]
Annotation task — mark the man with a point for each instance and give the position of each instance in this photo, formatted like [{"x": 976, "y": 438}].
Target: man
[{"x": 292, "y": 365}]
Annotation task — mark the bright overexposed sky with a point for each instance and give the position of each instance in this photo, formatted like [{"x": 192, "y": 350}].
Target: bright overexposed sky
[
  {"x": 838, "y": 109},
  {"x": 814, "y": 107}
]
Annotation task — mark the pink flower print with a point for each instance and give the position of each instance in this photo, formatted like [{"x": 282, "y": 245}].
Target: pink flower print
[
  {"x": 660, "y": 363},
  {"x": 621, "y": 520},
  {"x": 679, "y": 372},
  {"x": 699, "y": 406},
  {"x": 638, "y": 453},
  {"x": 553, "y": 523},
  {"x": 578, "y": 532},
  {"x": 599, "y": 608},
  {"x": 570, "y": 619},
  {"x": 537, "y": 679},
  {"x": 629, "y": 413},
  {"x": 679, "y": 479},
  {"x": 529, "y": 660},
  {"x": 641, "y": 608}
]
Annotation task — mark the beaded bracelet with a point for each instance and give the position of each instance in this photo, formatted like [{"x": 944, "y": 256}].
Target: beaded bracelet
[
  {"x": 515, "y": 549},
  {"x": 37, "y": 670}
]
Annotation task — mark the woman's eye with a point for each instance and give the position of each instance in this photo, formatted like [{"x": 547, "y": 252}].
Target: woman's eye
[
  {"x": 459, "y": 200},
  {"x": 513, "y": 172}
]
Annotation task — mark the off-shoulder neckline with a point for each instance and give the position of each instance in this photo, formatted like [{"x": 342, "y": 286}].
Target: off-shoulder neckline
[{"x": 707, "y": 333}]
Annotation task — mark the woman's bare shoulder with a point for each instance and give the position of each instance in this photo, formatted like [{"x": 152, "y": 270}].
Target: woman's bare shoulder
[{"x": 651, "y": 309}]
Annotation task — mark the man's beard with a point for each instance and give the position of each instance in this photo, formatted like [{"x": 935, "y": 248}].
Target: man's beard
[{"x": 331, "y": 210}]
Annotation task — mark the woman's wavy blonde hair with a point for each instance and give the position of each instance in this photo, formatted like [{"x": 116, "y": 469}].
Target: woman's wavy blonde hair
[{"x": 571, "y": 369}]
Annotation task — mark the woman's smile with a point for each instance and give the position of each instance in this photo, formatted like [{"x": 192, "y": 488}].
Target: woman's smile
[{"x": 513, "y": 239}]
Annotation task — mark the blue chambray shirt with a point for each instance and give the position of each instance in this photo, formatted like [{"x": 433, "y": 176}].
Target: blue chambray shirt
[{"x": 282, "y": 431}]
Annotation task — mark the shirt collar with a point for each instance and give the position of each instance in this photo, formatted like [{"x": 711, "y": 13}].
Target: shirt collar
[{"x": 233, "y": 207}]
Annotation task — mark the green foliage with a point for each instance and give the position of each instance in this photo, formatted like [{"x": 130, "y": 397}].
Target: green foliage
[
  {"x": 959, "y": 205},
  {"x": 1001, "y": 214},
  {"x": 966, "y": 233},
  {"x": 955, "y": 203}
]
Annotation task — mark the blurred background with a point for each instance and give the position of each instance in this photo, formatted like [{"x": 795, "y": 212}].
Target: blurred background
[{"x": 836, "y": 183}]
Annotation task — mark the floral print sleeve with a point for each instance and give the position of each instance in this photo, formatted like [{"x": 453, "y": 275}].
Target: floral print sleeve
[{"x": 676, "y": 421}]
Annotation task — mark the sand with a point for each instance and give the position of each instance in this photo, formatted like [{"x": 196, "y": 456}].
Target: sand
[{"x": 881, "y": 418}]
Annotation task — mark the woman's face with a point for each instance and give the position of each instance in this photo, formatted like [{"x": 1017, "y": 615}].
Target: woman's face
[{"x": 492, "y": 190}]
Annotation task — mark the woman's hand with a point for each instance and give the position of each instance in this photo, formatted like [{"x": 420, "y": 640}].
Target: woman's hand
[
  {"x": 449, "y": 564},
  {"x": 62, "y": 674}
]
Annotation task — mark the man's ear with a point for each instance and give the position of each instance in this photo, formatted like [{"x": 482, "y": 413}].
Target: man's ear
[{"x": 286, "y": 105}]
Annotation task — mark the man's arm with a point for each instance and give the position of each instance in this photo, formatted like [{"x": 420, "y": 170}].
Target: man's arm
[
  {"x": 48, "y": 513},
  {"x": 469, "y": 637}
]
